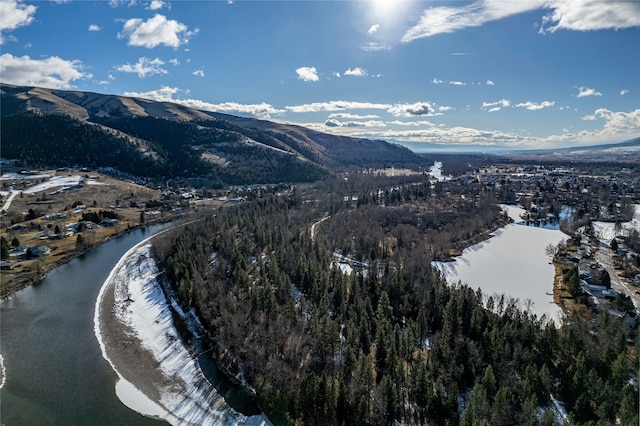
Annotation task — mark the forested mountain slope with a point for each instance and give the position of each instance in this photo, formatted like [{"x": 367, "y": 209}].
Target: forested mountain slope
[{"x": 46, "y": 127}]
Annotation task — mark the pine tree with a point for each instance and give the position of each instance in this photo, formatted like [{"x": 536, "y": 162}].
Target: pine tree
[{"x": 4, "y": 248}]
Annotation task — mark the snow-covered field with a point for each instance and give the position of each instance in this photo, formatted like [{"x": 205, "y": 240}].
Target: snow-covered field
[
  {"x": 188, "y": 397},
  {"x": 605, "y": 231},
  {"x": 61, "y": 182},
  {"x": 20, "y": 176}
]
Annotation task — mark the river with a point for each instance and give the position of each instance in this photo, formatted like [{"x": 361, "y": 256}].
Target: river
[
  {"x": 512, "y": 262},
  {"x": 55, "y": 372},
  {"x": 55, "y": 369}
]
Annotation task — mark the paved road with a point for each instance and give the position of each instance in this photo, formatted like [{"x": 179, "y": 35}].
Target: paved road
[{"x": 617, "y": 283}]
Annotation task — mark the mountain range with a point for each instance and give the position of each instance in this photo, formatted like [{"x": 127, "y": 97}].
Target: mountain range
[{"x": 60, "y": 128}]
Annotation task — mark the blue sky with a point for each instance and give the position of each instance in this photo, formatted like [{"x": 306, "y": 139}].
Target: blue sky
[{"x": 540, "y": 73}]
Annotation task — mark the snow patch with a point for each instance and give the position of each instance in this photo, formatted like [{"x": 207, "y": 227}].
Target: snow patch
[
  {"x": 560, "y": 414},
  {"x": 606, "y": 231},
  {"x": 135, "y": 399},
  {"x": 55, "y": 182},
  {"x": 188, "y": 398},
  {"x": 3, "y": 372},
  {"x": 20, "y": 176}
]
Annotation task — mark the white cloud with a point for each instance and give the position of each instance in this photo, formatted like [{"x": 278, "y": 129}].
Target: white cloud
[
  {"x": 356, "y": 72},
  {"x": 335, "y": 106},
  {"x": 532, "y": 106},
  {"x": 94, "y": 27},
  {"x": 174, "y": 61},
  {"x": 166, "y": 94},
  {"x": 618, "y": 126},
  {"x": 444, "y": 108},
  {"x": 411, "y": 110},
  {"x": 156, "y": 4},
  {"x": 440, "y": 134},
  {"x": 144, "y": 67},
  {"x": 585, "y": 91},
  {"x": 373, "y": 28},
  {"x": 589, "y": 15},
  {"x": 337, "y": 123},
  {"x": 624, "y": 92},
  {"x": 583, "y": 15},
  {"x": 617, "y": 123},
  {"x": 496, "y": 106},
  {"x": 445, "y": 19},
  {"x": 262, "y": 110},
  {"x": 348, "y": 116},
  {"x": 453, "y": 83},
  {"x": 156, "y": 31},
  {"x": 116, "y": 3},
  {"x": 198, "y": 73},
  {"x": 52, "y": 72},
  {"x": 336, "y": 74},
  {"x": 490, "y": 83},
  {"x": 374, "y": 47},
  {"x": 411, "y": 123},
  {"x": 307, "y": 74},
  {"x": 14, "y": 15},
  {"x": 620, "y": 122},
  {"x": 397, "y": 110}
]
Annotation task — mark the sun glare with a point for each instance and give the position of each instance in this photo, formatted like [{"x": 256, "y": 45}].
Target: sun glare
[{"x": 383, "y": 8}]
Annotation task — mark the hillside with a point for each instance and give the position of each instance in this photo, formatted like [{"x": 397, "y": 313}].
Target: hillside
[{"x": 57, "y": 128}]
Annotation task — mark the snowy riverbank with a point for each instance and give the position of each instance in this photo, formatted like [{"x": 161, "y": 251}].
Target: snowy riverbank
[{"x": 157, "y": 375}]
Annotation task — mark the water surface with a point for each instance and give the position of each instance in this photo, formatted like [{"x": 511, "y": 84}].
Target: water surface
[
  {"x": 513, "y": 262},
  {"x": 55, "y": 372}
]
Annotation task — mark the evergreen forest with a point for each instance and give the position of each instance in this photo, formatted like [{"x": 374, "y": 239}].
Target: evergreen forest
[{"x": 392, "y": 341}]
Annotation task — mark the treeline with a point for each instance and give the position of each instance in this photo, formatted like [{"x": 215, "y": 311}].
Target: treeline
[
  {"x": 99, "y": 216},
  {"x": 392, "y": 342}
]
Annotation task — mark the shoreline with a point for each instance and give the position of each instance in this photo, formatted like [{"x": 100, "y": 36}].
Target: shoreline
[
  {"x": 34, "y": 276},
  {"x": 486, "y": 279},
  {"x": 120, "y": 348},
  {"x": 157, "y": 375}
]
